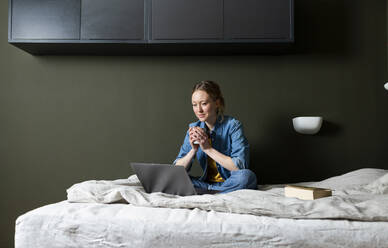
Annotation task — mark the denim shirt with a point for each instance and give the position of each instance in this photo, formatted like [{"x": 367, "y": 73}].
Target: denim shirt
[{"x": 228, "y": 138}]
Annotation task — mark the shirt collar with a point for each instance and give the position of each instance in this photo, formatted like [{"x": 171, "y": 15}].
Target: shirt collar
[{"x": 216, "y": 125}]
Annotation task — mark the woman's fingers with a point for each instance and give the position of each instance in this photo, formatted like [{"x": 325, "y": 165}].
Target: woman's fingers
[
  {"x": 197, "y": 134},
  {"x": 202, "y": 137},
  {"x": 191, "y": 132},
  {"x": 193, "y": 135},
  {"x": 194, "y": 132},
  {"x": 193, "y": 138},
  {"x": 200, "y": 132}
]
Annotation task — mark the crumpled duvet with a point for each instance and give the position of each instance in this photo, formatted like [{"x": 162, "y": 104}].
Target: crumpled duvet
[{"x": 358, "y": 195}]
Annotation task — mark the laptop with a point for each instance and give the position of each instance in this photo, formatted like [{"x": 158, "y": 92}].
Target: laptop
[{"x": 167, "y": 178}]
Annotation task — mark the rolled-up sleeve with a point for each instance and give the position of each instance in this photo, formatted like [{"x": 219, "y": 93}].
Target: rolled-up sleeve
[
  {"x": 185, "y": 148},
  {"x": 239, "y": 145}
]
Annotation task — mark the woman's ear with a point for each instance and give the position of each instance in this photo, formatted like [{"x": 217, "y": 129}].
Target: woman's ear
[{"x": 218, "y": 103}]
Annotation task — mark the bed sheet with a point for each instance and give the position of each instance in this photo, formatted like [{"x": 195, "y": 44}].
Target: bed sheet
[{"x": 360, "y": 195}]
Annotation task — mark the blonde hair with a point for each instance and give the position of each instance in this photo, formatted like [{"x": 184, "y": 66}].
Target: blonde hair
[{"x": 214, "y": 91}]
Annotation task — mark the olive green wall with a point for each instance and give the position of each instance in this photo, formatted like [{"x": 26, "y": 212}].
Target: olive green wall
[{"x": 68, "y": 119}]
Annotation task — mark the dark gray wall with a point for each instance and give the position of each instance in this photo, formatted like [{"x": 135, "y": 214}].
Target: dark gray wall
[{"x": 68, "y": 119}]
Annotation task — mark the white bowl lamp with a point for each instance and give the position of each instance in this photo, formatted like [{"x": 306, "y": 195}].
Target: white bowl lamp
[{"x": 307, "y": 124}]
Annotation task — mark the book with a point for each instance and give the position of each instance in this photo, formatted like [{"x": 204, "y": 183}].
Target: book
[{"x": 306, "y": 193}]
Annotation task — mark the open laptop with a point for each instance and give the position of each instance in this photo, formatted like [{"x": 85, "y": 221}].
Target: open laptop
[{"x": 166, "y": 178}]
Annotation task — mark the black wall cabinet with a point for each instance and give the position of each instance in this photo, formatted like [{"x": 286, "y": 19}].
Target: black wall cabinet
[
  {"x": 121, "y": 27},
  {"x": 45, "y": 19},
  {"x": 257, "y": 19},
  {"x": 187, "y": 19},
  {"x": 112, "y": 19}
]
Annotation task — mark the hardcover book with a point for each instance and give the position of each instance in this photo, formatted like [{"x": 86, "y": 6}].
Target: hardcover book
[{"x": 306, "y": 193}]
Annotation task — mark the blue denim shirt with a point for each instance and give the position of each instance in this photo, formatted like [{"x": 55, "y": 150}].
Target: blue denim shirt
[{"x": 228, "y": 138}]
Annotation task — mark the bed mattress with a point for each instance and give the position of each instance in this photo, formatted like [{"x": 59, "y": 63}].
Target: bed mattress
[
  {"x": 93, "y": 224},
  {"x": 66, "y": 224}
]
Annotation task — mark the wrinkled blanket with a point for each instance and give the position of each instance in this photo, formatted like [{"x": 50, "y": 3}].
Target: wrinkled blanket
[{"x": 358, "y": 195}]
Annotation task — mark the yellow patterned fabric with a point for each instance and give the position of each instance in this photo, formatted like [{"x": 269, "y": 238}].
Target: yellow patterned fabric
[{"x": 212, "y": 173}]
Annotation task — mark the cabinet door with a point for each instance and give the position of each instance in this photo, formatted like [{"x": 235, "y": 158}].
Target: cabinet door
[
  {"x": 187, "y": 19},
  {"x": 257, "y": 19},
  {"x": 112, "y": 19},
  {"x": 45, "y": 19}
]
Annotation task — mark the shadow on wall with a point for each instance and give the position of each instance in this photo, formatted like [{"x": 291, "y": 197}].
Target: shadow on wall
[
  {"x": 323, "y": 27},
  {"x": 292, "y": 157}
]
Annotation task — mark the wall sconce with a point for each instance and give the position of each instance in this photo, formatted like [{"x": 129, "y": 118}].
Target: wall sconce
[
  {"x": 386, "y": 85},
  {"x": 307, "y": 124}
]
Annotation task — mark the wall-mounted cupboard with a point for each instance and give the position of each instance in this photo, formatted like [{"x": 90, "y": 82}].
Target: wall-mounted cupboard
[
  {"x": 45, "y": 19},
  {"x": 257, "y": 19},
  {"x": 123, "y": 27},
  {"x": 117, "y": 20},
  {"x": 187, "y": 20}
]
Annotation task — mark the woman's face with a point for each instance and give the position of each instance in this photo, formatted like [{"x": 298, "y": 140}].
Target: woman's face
[{"x": 203, "y": 106}]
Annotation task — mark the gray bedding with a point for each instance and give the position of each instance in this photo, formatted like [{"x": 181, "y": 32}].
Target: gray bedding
[{"x": 358, "y": 195}]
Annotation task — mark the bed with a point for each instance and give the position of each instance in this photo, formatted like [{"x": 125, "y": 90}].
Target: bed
[{"x": 97, "y": 214}]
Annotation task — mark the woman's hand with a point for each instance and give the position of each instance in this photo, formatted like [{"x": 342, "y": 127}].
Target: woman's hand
[
  {"x": 193, "y": 137},
  {"x": 199, "y": 135}
]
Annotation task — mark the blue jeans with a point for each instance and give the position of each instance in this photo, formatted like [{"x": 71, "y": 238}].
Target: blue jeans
[{"x": 239, "y": 179}]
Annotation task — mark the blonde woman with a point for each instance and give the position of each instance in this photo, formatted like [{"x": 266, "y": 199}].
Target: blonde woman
[{"x": 218, "y": 142}]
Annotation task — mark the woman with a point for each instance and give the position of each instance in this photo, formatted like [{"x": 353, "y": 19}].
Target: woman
[{"x": 218, "y": 143}]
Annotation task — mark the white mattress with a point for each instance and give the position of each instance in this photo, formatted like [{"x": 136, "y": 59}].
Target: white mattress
[{"x": 67, "y": 224}]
